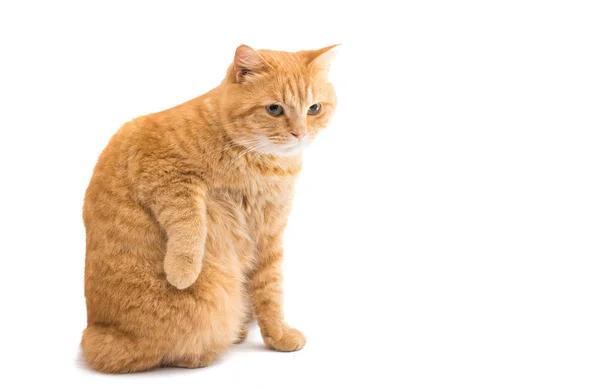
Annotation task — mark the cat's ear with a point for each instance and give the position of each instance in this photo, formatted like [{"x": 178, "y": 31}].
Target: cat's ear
[
  {"x": 247, "y": 62},
  {"x": 321, "y": 59}
]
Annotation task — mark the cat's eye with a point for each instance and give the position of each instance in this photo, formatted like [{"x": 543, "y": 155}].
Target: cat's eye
[
  {"x": 274, "y": 109},
  {"x": 314, "y": 109}
]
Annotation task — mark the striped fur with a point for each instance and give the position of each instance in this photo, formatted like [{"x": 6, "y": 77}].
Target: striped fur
[{"x": 184, "y": 216}]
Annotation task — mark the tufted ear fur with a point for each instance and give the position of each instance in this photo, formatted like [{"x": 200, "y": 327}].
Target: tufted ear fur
[
  {"x": 247, "y": 62},
  {"x": 321, "y": 59}
]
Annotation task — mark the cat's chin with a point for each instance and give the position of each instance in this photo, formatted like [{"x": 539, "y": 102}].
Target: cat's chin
[
  {"x": 287, "y": 150},
  {"x": 262, "y": 145}
]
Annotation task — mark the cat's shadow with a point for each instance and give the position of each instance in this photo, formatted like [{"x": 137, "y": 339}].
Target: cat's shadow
[{"x": 249, "y": 346}]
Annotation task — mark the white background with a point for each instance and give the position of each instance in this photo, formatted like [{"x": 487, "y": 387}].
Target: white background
[{"x": 446, "y": 229}]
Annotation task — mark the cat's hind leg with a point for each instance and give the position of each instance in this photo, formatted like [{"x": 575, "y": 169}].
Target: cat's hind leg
[
  {"x": 242, "y": 335},
  {"x": 243, "y": 332},
  {"x": 109, "y": 350}
]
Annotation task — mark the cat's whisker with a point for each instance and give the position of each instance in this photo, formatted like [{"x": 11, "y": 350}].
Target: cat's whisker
[
  {"x": 245, "y": 144},
  {"x": 253, "y": 148}
]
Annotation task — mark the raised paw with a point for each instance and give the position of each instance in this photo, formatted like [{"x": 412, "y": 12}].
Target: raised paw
[
  {"x": 182, "y": 272},
  {"x": 285, "y": 339}
]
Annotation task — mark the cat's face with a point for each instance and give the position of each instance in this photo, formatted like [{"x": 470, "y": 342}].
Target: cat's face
[{"x": 277, "y": 102}]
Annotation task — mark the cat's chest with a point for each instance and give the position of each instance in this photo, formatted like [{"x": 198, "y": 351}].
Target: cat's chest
[
  {"x": 264, "y": 204},
  {"x": 261, "y": 201}
]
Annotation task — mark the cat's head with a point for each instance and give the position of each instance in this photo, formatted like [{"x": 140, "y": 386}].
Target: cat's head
[{"x": 276, "y": 102}]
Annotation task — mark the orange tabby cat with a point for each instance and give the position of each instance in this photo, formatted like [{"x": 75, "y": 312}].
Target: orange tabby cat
[{"x": 185, "y": 211}]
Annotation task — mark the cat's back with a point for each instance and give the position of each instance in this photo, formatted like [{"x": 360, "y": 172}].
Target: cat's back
[
  {"x": 115, "y": 221},
  {"x": 116, "y": 167},
  {"x": 107, "y": 182}
]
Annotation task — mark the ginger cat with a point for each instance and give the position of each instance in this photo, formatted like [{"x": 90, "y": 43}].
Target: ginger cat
[{"x": 185, "y": 211}]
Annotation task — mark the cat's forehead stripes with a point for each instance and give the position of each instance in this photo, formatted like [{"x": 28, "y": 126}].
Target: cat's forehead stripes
[{"x": 297, "y": 94}]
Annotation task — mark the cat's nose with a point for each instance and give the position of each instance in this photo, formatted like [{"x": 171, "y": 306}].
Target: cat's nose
[{"x": 299, "y": 134}]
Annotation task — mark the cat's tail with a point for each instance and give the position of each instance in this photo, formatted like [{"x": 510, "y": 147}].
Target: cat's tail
[{"x": 109, "y": 350}]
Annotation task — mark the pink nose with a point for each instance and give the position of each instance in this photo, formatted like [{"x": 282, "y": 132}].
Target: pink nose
[{"x": 299, "y": 134}]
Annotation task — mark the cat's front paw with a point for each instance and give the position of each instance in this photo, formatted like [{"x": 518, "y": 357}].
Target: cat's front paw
[
  {"x": 182, "y": 272},
  {"x": 284, "y": 339}
]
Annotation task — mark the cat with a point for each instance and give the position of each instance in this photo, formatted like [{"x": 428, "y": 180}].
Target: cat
[{"x": 185, "y": 211}]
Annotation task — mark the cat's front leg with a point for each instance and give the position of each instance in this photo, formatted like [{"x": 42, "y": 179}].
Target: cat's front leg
[
  {"x": 265, "y": 288},
  {"x": 181, "y": 211}
]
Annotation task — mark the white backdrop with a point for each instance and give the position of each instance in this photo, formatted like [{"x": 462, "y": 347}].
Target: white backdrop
[{"x": 446, "y": 227}]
